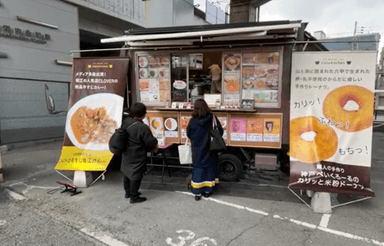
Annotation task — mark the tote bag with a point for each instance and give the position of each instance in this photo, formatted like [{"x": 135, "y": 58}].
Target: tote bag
[
  {"x": 217, "y": 142},
  {"x": 185, "y": 153}
]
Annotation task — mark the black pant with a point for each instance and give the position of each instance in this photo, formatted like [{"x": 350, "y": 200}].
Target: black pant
[{"x": 131, "y": 187}]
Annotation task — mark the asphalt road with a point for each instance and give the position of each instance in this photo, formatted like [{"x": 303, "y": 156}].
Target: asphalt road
[
  {"x": 21, "y": 224},
  {"x": 100, "y": 215}
]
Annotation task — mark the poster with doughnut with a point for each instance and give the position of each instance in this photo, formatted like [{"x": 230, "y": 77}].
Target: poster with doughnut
[{"x": 332, "y": 103}]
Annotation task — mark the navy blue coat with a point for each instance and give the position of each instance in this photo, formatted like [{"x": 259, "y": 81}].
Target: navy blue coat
[{"x": 198, "y": 131}]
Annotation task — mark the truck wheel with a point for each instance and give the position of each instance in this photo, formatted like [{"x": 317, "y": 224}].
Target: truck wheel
[{"x": 230, "y": 167}]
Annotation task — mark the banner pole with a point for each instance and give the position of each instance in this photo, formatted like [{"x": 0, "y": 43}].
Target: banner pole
[{"x": 1, "y": 169}]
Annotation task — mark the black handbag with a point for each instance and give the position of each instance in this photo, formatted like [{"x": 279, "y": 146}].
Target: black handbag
[{"x": 217, "y": 142}]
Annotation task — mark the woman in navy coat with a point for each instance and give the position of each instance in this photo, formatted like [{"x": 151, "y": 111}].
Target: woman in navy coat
[{"x": 205, "y": 173}]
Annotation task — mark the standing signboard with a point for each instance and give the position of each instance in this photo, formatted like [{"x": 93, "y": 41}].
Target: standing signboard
[
  {"x": 332, "y": 101},
  {"x": 95, "y": 111}
]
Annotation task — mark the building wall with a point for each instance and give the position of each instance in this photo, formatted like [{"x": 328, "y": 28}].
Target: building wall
[
  {"x": 165, "y": 13},
  {"x": 29, "y": 65}
]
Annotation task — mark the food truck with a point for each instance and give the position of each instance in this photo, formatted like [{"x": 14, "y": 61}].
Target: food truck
[{"x": 243, "y": 71}]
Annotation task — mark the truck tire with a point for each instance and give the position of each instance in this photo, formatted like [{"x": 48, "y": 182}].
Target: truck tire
[{"x": 230, "y": 167}]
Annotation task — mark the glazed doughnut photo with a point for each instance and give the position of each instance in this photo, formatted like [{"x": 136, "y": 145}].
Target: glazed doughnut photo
[
  {"x": 321, "y": 146},
  {"x": 357, "y": 119}
]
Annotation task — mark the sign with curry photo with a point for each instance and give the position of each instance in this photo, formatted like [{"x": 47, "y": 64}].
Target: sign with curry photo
[{"x": 95, "y": 112}]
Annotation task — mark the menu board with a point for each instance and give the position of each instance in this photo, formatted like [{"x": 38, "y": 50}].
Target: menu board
[
  {"x": 260, "y": 78},
  {"x": 154, "y": 79},
  {"x": 231, "y": 78},
  {"x": 223, "y": 118},
  {"x": 255, "y": 130},
  {"x": 164, "y": 124},
  {"x": 185, "y": 117}
]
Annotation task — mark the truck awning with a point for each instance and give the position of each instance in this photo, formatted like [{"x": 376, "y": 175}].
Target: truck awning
[{"x": 240, "y": 33}]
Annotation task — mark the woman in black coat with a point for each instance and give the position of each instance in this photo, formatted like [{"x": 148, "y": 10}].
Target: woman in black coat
[
  {"x": 205, "y": 173},
  {"x": 134, "y": 160}
]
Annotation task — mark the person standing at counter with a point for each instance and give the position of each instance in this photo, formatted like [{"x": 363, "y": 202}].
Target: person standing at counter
[
  {"x": 134, "y": 158},
  {"x": 205, "y": 173}
]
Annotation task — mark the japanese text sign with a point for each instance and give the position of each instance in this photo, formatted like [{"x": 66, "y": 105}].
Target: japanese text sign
[
  {"x": 95, "y": 112},
  {"x": 332, "y": 102}
]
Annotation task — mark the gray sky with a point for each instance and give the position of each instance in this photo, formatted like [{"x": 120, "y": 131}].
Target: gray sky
[{"x": 334, "y": 17}]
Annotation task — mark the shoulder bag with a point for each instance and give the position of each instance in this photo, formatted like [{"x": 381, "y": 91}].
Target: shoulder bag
[
  {"x": 118, "y": 140},
  {"x": 217, "y": 142}
]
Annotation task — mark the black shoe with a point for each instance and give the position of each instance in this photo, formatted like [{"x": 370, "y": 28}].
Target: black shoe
[
  {"x": 197, "y": 198},
  {"x": 138, "y": 199},
  {"x": 206, "y": 194},
  {"x": 128, "y": 196}
]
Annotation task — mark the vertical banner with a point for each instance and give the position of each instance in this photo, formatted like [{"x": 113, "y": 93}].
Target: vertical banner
[
  {"x": 332, "y": 103},
  {"x": 95, "y": 111}
]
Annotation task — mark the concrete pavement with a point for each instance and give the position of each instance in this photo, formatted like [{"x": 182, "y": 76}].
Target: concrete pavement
[{"x": 172, "y": 217}]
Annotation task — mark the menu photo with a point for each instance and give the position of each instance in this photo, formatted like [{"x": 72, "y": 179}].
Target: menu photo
[
  {"x": 238, "y": 129},
  {"x": 271, "y": 130},
  {"x": 255, "y": 130},
  {"x": 171, "y": 127}
]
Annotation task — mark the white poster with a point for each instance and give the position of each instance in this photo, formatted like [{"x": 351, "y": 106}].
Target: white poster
[{"x": 332, "y": 102}]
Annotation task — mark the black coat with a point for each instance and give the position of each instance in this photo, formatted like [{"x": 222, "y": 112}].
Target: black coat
[
  {"x": 140, "y": 141},
  {"x": 198, "y": 131}
]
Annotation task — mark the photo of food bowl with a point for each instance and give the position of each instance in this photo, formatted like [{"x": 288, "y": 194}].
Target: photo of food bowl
[
  {"x": 260, "y": 83},
  {"x": 144, "y": 85},
  {"x": 143, "y": 73},
  {"x": 92, "y": 120},
  {"x": 143, "y": 61},
  {"x": 153, "y": 61},
  {"x": 232, "y": 62},
  {"x": 153, "y": 73},
  {"x": 170, "y": 124},
  {"x": 248, "y": 83},
  {"x": 156, "y": 124},
  {"x": 164, "y": 73},
  {"x": 164, "y": 61}
]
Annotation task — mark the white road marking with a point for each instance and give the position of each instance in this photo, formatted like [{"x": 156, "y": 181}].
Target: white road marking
[
  {"x": 321, "y": 227},
  {"x": 15, "y": 195},
  {"x": 324, "y": 220},
  {"x": 103, "y": 238}
]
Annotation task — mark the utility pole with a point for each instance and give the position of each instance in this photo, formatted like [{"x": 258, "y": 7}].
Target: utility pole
[{"x": 354, "y": 33}]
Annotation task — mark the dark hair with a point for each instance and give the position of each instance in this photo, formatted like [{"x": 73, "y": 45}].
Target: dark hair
[
  {"x": 200, "y": 109},
  {"x": 137, "y": 110}
]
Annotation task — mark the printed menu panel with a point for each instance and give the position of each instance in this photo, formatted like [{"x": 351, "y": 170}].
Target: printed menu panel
[
  {"x": 154, "y": 79},
  {"x": 255, "y": 130},
  {"x": 164, "y": 124},
  {"x": 185, "y": 117},
  {"x": 261, "y": 77},
  {"x": 223, "y": 118},
  {"x": 231, "y": 77},
  {"x": 238, "y": 129}
]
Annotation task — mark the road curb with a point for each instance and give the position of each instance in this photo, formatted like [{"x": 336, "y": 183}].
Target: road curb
[{"x": 7, "y": 147}]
